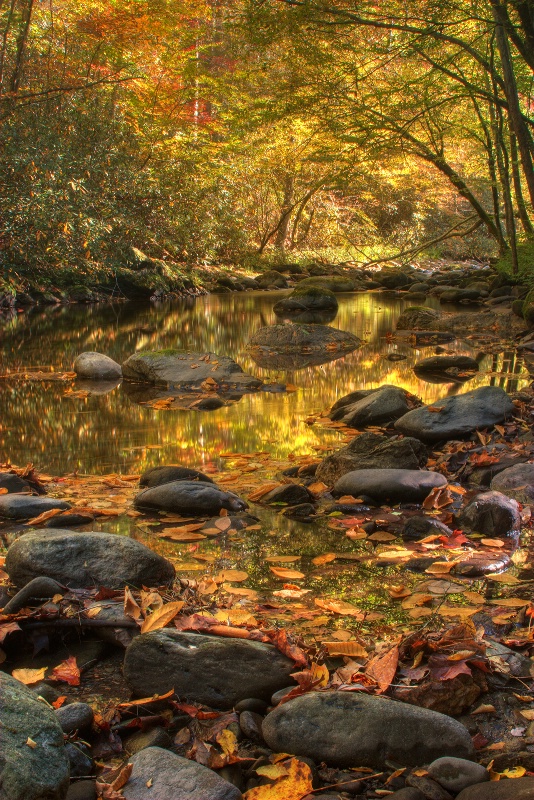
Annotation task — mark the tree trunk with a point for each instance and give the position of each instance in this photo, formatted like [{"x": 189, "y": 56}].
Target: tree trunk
[
  {"x": 285, "y": 214},
  {"x": 519, "y": 198}
]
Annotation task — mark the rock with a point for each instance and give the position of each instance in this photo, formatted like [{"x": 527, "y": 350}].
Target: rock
[
  {"x": 280, "y": 694},
  {"x": 271, "y": 278},
  {"x": 82, "y": 790},
  {"x": 173, "y": 368},
  {"x": 189, "y": 497},
  {"x": 157, "y": 476},
  {"x": 174, "y": 778},
  {"x": 45, "y": 691},
  {"x": 417, "y": 318},
  {"x": 408, "y": 793},
  {"x": 18, "y": 506},
  {"x": 68, "y": 521},
  {"x": 290, "y": 493},
  {"x": 517, "y": 789},
  {"x": 250, "y": 724},
  {"x": 81, "y": 763},
  {"x": 28, "y": 772},
  {"x": 455, "y": 774},
  {"x": 154, "y": 737},
  {"x": 13, "y": 484},
  {"x": 252, "y": 704},
  {"x": 83, "y": 560},
  {"x": 310, "y": 342},
  {"x": 380, "y": 406},
  {"x": 447, "y": 364},
  {"x": 395, "y": 485},
  {"x": 446, "y": 697},
  {"x": 419, "y": 527},
  {"x": 393, "y": 278},
  {"x": 347, "y": 730},
  {"x": 75, "y": 717},
  {"x": 307, "y": 298},
  {"x": 215, "y": 671},
  {"x": 492, "y": 514},
  {"x": 96, "y": 366},
  {"x": 460, "y": 415},
  {"x": 429, "y": 788},
  {"x": 333, "y": 283},
  {"x": 372, "y": 451},
  {"x": 516, "y": 482},
  {"x": 460, "y": 295}
]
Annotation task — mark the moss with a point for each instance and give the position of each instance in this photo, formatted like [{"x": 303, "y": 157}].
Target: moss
[
  {"x": 312, "y": 291},
  {"x": 158, "y": 353},
  {"x": 525, "y": 257}
]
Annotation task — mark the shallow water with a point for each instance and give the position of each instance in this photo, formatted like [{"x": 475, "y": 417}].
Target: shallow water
[{"x": 112, "y": 433}]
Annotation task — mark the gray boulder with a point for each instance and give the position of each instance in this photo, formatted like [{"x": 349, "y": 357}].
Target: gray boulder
[
  {"x": 286, "y": 339},
  {"x": 13, "y": 484},
  {"x": 455, "y": 774},
  {"x": 307, "y": 298},
  {"x": 459, "y": 415},
  {"x": 178, "y": 368},
  {"x": 453, "y": 364},
  {"x": 492, "y": 514},
  {"x": 19, "y": 506},
  {"x": 213, "y": 670},
  {"x": 372, "y": 451},
  {"x": 334, "y": 283},
  {"x": 517, "y": 789},
  {"x": 189, "y": 497},
  {"x": 172, "y": 777},
  {"x": 417, "y": 318},
  {"x": 83, "y": 560},
  {"x": 516, "y": 482},
  {"x": 157, "y": 476},
  {"x": 271, "y": 279},
  {"x": 394, "y": 485},
  {"x": 419, "y": 527},
  {"x": 349, "y": 730},
  {"x": 97, "y": 367},
  {"x": 38, "y": 771},
  {"x": 379, "y": 406}
]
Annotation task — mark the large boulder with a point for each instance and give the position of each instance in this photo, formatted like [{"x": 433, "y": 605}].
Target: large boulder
[
  {"x": 214, "y": 670},
  {"x": 357, "y": 730},
  {"x": 271, "y": 280},
  {"x": 189, "y": 497},
  {"x": 157, "y": 476},
  {"x": 394, "y": 485},
  {"x": 457, "y": 416},
  {"x": 492, "y": 514},
  {"x": 455, "y": 367},
  {"x": 96, "y": 366},
  {"x": 307, "y": 298},
  {"x": 393, "y": 278},
  {"x": 190, "y": 370},
  {"x": 516, "y": 482},
  {"x": 377, "y": 407},
  {"x": 298, "y": 346},
  {"x": 333, "y": 283},
  {"x": 83, "y": 560},
  {"x": 171, "y": 777},
  {"x": 372, "y": 451},
  {"x": 33, "y": 762},
  {"x": 416, "y": 318},
  {"x": 20, "y": 506}
]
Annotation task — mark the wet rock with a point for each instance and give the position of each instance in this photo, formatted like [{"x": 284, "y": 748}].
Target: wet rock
[
  {"x": 82, "y": 790},
  {"x": 75, "y": 717},
  {"x": 271, "y": 279},
  {"x": 179, "y": 368},
  {"x": 68, "y": 521},
  {"x": 307, "y": 298},
  {"x": 250, "y": 724},
  {"x": 393, "y": 279},
  {"x": 347, "y": 730},
  {"x": 157, "y": 476},
  {"x": 395, "y": 485},
  {"x": 174, "y": 778},
  {"x": 154, "y": 737},
  {"x": 37, "y": 589},
  {"x": 372, "y": 451},
  {"x": 517, "y": 789},
  {"x": 382, "y": 405},
  {"x": 81, "y": 763},
  {"x": 82, "y": 560},
  {"x": 492, "y": 514},
  {"x": 408, "y": 793},
  {"x": 45, "y": 691},
  {"x": 475, "y": 564},
  {"x": 417, "y": 318},
  {"x": 419, "y": 527},
  {"x": 13, "y": 484},
  {"x": 430, "y": 789},
  {"x": 273, "y": 341},
  {"x": 216, "y": 671},
  {"x": 252, "y": 704},
  {"x": 455, "y": 774},
  {"x": 443, "y": 369},
  {"x": 290, "y": 493},
  {"x": 113, "y": 612},
  {"x": 280, "y": 694},
  {"x": 30, "y": 773},
  {"x": 97, "y": 367},
  {"x": 305, "y": 512},
  {"x": 18, "y": 506},
  {"x": 460, "y": 415},
  {"x": 334, "y": 283},
  {"x": 516, "y": 482},
  {"x": 189, "y": 497}
]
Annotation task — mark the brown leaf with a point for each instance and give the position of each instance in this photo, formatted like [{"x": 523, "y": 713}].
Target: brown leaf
[
  {"x": 44, "y": 516},
  {"x": 382, "y": 668},
  {"x": 234, "y": 575},
  {"x": 131, "y": 609},
  {"x": 350, "y": 648},
  {"x": 287, "y": 574},
  {"x": 161, "y": 616},
  {"x": 324, "y": 559},
  {"x": 257, "y": 494},
  {"x": 339, "y": 607}
]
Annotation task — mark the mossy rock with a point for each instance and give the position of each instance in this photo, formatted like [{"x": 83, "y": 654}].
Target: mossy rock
[
  {"x": 418, "y": 318},
  {"x": 333, "y": 283},
  {"x": 528, "y": 309}
]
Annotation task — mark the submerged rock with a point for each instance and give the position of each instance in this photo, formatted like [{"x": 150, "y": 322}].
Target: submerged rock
[
  {"x": 83, "y": 560},
  {"x": 376, "y": 407},
  {"x": 179, "y": 368},
  {"x": 348, "y": 730},
  {"x": 189, "y": 497},
  {"x": 30, "y": 772},
  {"x": 372, "y": 451},
  {"x": 395, "y": 485},
  {"x": 13, "y": 484},
  {"x": 492, "y": 514},
  {"x": 419, "y": 527},
  {"x": 97, "y": 367},
  {"x": 18, "y": 506},
  {"x": 458, "y": 416},
  {"x": 157, "y": 476},
  {"x": 215, "y": 671}
]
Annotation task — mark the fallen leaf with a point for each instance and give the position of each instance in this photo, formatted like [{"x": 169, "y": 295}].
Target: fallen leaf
[
  {"x": 528, "y": 713},
  {"x": 272, "y": 771},
  {"x": 282, "y": 559},
  {"x": 44, "y": 516},
  {"x": 67, "y": 671},
  {"x": 382, "y": 536},
  {"x": 339, "y": 607},
  {"x": 31, "y": 743},
  {"x": 441, "y": 567},
  {"x": 234, "y": 575},
  {"x": 293, "y": 786},
  {"x": 504, "y": 577},
  {"x": 382, "y": 668},
  {"x": 131, "y": 608},
  {"x": 324, "y": 559},
  {"x": 257, "y": 494},
  {"x": 161, "y": 616},
  {"x": 349, "y": 648},
  {"x": 29, "y": 676},
  {"x": 485, "y": 708},
  {"x": 492, "y": 542},
  {"x": 285, "y": 573}
]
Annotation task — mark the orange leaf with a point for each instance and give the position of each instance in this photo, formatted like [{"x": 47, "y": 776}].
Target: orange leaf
[
  {"x": 283, "y": 572},
  {"x": 29, "y": 676},
  {"x": 293, "y": 786},
  {"x": 339, "y": 607},
  {"x": 67, "y": 671},
  {"x": 161, "y": 616},
  {"x": 46, "y": 515},
  {"x": 324, "y": 559},
  {"x": 383, "y": 668},
  {"x": 263, "y": 490}
]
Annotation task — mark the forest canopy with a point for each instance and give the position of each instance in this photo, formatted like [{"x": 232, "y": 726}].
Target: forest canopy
[{"x": 230, "y": 131}]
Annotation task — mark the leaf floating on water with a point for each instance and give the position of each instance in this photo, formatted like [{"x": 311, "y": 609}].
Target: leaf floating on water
[
  {"x": 339, "y": 607},
  {"x": 441, "y": 567},
  {"x": 234, "y": 575},
  {"x": 285, "y": 573},
  {"x": 282, "y": 559},
  {"x": 458, "y": 611},
  {"x": 177, "y": 535},
  {"x": 257, "y": 494},
  {"x": 161, "y": 616},
  {"x": 504, "y": 577},
  {"x": 382, "y": 536},
  {"x": 324, "y": 559},
  {"x": 29, "y": 676},
  {"x": 492, "y": 542},
  {"x": 510, "y": 602}
]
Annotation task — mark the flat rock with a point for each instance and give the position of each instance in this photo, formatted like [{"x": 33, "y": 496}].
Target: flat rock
[
  {"x": 455, "y": 774},
  {"x": 307, "y": 298},
  {"x": 157, "y": 476},
  {"x": 97, "y": 366},
  {"x": 372, "y": 451},
  {"x": 178, "y": 368},
  {"x": 380, "y": 406},
  {"x": 459, "y": 416},
  {"x": 19, "y": 506},
  {"x": 516, "y": 789},
  {"x": 348, "y": 730},
  {"x": 491, "y": 513},
  {"x": 442, "y": 369},
  {"x": 291, "y": 494},
  {"x": 288, "y": 338},
  {"x": 30, "y": 773},
  {"x": 83, "y": 560},
  {"x": 395, "y": 485},
  {"x": 213, "y": 670},
  {"x": 417, "y": 318},
  {"x": 189, "y": 497},
  {"x": 516, "y": 482},
  {"x": 172, "y": 777}
]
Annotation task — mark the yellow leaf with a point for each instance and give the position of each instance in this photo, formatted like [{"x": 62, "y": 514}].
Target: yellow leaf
[
  {"x": 319, "y": 675},
  {"x": 293, "y": 786},
  {"x": 510, "y": 602},
  {"x": 505, "y": 577},
  {"x": 228, "y": 742},
  {"x": 350, "y": 648},
  {"x": 339, "y": 607},
  {"x": 234, "y": 575},
  {"x": 31, "y": 743},
  {"x": 457, "y": 611},
  {"x": 29, "y": 676},
  {"x": 513, "y": 772},
  {"x": 528, "y": 713},
  {"x": 492, "y": 542},
  {"x": 272, "y": 771},
  {"x": 282, "y": 559},
  {"x": 161, "y": 616},
  {"x": 441, "y": 567}
]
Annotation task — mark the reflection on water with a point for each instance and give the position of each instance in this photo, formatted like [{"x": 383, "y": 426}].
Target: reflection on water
[{"x": 112, "y": 432}]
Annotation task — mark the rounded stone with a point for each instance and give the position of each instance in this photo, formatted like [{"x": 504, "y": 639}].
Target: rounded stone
[
  {"x": 155, "y": 737},
  {"x": 455, "y": 774},
  {"x": 516, "y": 482},
  {"x": 75, "y": 717},
  {"x": 97, "y": 366},
  {"x": 395, "y": 485}
]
